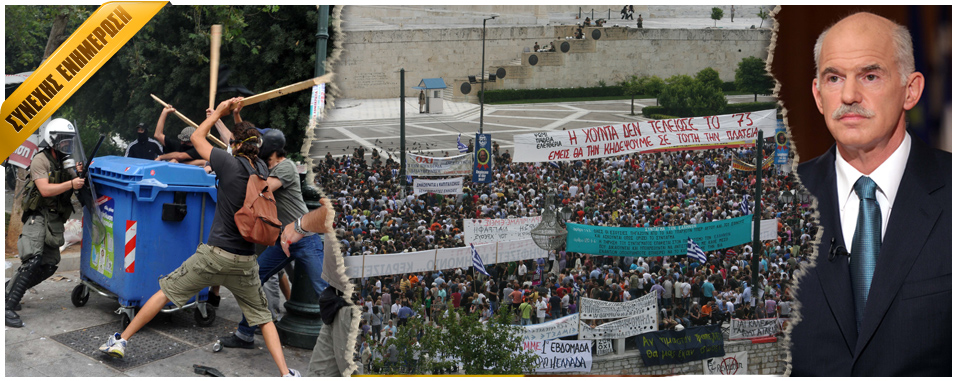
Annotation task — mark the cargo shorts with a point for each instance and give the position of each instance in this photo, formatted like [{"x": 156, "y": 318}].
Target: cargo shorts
[{"x": 212, "y": 266}]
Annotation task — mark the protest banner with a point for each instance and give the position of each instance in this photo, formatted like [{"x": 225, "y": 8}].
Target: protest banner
[
  {"x": 358, "y": 266},
  {"x": 23, "y": 154},
  {"x": 484, "y": 161},
  {"x": 658, "y": 241},
  {"x": 560, "y": 355},
  {"x": 742, "y": 165},
  {"x": 600, "y": 309},
  {"x": 642, "y": 136},
  {"x": 752, "y": 329},
  {"x": 781, "y": 144},
  {"x": 318, "y": 101},
  {"x": 444, "y": 186},
  {"x": 482, "y": 231},
  {"x": 769, "y": 229},
  {"x": 730, "y": 364},
  {"x": 711, "y": 180},
  {"x": 603, "y": 347},
  {"x": 427, "y": 166},
  {"x": 551, "y": 330},
  {"x": 676, "y": 347},
  {"x": 622, "y": 328}
]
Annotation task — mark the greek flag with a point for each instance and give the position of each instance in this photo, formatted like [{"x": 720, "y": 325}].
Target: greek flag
[
  {"x": 695, "y": 252},
  {"x": 462, "y": 147},
  {"x": 746, "y": 206},
  {"x": 477, "y": 261}
]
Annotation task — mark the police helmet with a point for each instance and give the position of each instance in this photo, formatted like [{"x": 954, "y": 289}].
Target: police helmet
[{"x": 58, "y": 134}]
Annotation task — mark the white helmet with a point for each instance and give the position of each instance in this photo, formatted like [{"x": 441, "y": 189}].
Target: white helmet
[{"x": 58, "y": 134}]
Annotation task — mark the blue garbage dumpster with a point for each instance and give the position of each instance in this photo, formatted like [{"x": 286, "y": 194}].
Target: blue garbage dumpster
[{"x": 150, "y": 217}]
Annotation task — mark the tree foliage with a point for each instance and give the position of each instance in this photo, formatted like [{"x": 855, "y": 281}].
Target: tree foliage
[
  {"x": 631, "y": 87},
  {"x": 643, "y": 85},
  {"x": 27, "y": 28},
  {"x": 266, "y": 47},
  {"x": 684, "y": 96},
  {"x": 710, "y": 77},
  {"x": 494, "y": 347},
  {"x": 653, "y": 86},
  {"x": 763, "y": 14},
  {"x": 751, "y": 77},
  {"x": 716, "y": 14}
]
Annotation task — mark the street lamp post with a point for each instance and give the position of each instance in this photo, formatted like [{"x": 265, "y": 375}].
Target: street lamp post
[
  {"x": 300, "y": 327},
  {"x": 482, "y": 80}
]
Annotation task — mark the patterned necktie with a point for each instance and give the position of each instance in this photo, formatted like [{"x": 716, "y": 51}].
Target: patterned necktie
[{"x": 867, "y": 243}]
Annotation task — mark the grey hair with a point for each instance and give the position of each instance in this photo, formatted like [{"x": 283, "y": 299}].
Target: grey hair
[{"x": 903, "y": 44}]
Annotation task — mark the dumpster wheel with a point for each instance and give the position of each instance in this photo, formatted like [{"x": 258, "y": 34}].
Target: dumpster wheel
[
  {"x": 125, "y": 319},
  {"x": 80, "y": 295},
  {"x": 208, "y": 320}
]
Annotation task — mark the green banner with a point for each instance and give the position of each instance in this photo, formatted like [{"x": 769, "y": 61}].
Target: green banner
[{"x": 658, "y": 241}]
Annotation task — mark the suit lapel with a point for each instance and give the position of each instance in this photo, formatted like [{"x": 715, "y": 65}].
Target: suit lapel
[
  {"x": 913, "y": 216},
  {"x": 834, "y": 275}
]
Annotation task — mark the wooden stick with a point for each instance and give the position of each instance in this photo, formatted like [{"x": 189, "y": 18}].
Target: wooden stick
[
  {"x": 307, "y": 84},
  {"x": 190, "y": 122},
  {"x": 216, "y": 35}
]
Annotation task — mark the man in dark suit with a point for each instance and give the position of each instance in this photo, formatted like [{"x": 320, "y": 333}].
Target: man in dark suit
[{"x": 876, "y": 301}]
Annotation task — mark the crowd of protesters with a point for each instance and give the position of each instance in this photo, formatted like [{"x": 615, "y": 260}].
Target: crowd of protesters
[{"x": 637, "y": 190}]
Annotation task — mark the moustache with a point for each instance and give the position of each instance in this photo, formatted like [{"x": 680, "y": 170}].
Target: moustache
[{"x": 855, "y": 108}]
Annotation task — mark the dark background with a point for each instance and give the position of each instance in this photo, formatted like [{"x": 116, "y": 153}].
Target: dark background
[{"x": 793, "y": 67}]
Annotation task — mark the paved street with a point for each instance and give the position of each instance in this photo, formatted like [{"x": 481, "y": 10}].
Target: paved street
[
  {"x": 374, "y": 123},
  {"x": 62, "y": 340}
]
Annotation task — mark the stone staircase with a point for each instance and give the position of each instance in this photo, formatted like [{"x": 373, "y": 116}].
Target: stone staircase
[{"x": 523, "y": 68}]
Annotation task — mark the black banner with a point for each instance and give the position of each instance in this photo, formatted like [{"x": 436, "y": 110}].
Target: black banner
[{"x": 674, "y": 347}]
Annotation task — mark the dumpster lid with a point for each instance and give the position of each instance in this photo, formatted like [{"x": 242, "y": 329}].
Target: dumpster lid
[{"x": 132, "y": 170}]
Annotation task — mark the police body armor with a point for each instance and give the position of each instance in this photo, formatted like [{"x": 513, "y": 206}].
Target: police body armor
[{"x": 56, "y": 209}]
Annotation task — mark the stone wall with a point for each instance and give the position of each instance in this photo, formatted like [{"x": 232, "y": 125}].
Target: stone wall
[
  {"x": 703, "y": 11},
  {"x": 763, "y": 359},
  {"x": 370, "y": 63},
  {"x": 472, "y": 14}
]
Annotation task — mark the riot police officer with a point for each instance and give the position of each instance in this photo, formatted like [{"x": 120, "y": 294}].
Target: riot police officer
[{"x": 46, "y": 207}]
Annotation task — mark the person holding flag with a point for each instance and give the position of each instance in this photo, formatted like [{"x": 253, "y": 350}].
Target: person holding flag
[
  {"x": 477, "y": 263},
  {"x": 462, "y": 147},
  {"x": 695, "y": 252},
  {"x": 746, "y": 206}
]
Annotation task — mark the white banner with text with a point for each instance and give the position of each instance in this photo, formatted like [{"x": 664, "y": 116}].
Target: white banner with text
[
  {"x": 358, "y": 266},
  {"x": 443, "y": 186},
  {"x": 482, "y": 231},
  {"x": 600, "y": 309},
  {"x": 730, "y": 364},
  {"x": 561, "y": 355},
  {"x": 418, "y": 165},
  {"x": 753, "y": 329},
  {"x": 621, "y": 328},
  {"x": 551, "y": 330},
  {"x": 642, "y": 136}
]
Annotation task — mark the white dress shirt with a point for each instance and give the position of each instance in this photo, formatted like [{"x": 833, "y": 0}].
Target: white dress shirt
[{"x": 887, "y": 177}]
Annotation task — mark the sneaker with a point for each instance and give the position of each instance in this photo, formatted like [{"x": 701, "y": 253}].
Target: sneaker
[
  {"x": 115, "y": 346},
  {"x": 232, "y": 341},
  {"x": 293, "y": 373}
]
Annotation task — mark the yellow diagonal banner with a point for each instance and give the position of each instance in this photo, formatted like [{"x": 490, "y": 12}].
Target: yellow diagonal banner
[{"x": 69, "y": 67}]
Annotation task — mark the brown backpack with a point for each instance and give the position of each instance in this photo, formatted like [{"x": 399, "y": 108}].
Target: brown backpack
[{"x": 256, "y": 220}]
